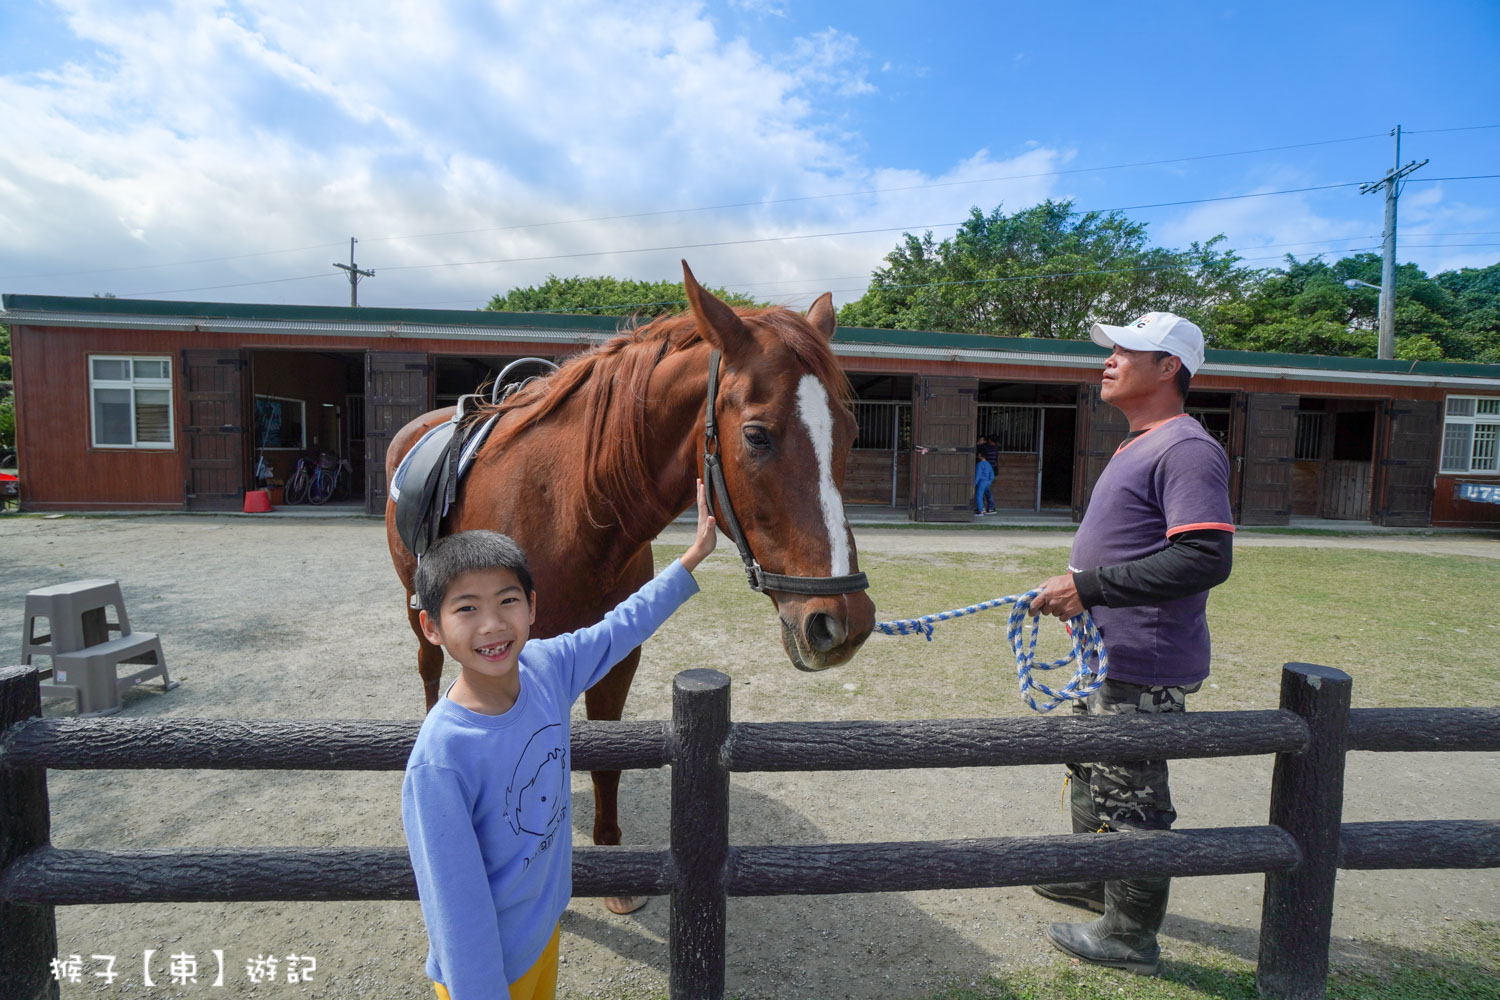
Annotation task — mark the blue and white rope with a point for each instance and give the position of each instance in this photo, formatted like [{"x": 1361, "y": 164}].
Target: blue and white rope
[{"x": 1087, "y": 645}]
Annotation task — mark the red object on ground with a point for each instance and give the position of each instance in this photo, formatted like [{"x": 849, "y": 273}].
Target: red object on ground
[{"x": 257, "y": 502}]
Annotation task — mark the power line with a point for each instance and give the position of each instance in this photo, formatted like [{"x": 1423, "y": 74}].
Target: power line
[
  {"x": 937, "y": 284},
  {"x": 804, "y": 236},
  {"x": 209, "y": 288},
  {"x": 1019, "y": 277},
  {"x": 847, "y": 232},
  {"x": 749, "y": 204},
  {"x": 712, "y": 208},
  {"x": 1462, "y": 128},
  {"x": 886, "y": 190}
]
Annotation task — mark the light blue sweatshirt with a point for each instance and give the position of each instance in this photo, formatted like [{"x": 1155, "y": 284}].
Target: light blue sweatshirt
[{"x": 486, "y": 802}]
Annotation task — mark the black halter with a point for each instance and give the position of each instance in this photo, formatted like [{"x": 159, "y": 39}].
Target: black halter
[{"x": 713, "y": 480}]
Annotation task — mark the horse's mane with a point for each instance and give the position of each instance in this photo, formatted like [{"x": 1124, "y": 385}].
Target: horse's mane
[{"x": 612, "y": 380}]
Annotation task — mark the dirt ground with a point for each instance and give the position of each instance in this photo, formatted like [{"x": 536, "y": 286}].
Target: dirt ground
[{"x": 302, "y": 619}]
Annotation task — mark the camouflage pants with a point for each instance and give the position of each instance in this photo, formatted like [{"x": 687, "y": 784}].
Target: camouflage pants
[{"x": 1131, "y": 795}]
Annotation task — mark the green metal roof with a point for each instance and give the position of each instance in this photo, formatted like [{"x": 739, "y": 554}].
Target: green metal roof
[
  {"x": 1083, "y": 350},
  {"x": 1087, "y": 349},
  {"x": 309, "y": 314}
]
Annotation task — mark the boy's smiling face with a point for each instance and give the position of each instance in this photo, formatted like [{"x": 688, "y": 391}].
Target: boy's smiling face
[{"x": 485, "y": 619}]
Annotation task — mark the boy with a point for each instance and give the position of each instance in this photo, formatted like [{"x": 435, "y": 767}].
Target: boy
[
  {"x": 984, "y": 475},
  {"x": 486, "y": 797}
]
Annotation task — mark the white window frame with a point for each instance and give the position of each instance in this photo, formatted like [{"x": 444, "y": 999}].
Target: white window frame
[
  {"x": 131, "y": 385},
  {"x": 302, "y": 446},
  {"x": 1473, "y": 420}
]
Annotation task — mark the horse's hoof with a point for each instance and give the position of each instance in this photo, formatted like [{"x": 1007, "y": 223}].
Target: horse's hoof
[{"x": 622, "y": 905}]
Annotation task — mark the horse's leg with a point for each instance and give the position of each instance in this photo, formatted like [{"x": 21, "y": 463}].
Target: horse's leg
[
  {"x": 606, "y": 701},
  {"x": 429, "y": 659}
]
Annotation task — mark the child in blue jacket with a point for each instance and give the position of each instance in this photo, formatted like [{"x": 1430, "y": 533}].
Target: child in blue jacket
[
  {"x": 984, "y": 474},
  {"x": 486, "y": 797}
]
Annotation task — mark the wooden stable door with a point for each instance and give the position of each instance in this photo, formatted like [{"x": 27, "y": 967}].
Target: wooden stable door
[
  {"x": 944, "y": 418},
  {"x": 1265, "y": 457},
  {"x": 398, "y": 389},
  {"x": 213, "y": 429},
  {"x": 1407, "y": 471},
  {"x": 1103, "y": 428}
]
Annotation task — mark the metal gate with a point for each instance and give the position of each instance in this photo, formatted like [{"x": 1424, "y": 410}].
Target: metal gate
[
  {"x": 397, "y": 390},
  {"x": 214, "y": 429},
  {"x": 943, "y": 415}
]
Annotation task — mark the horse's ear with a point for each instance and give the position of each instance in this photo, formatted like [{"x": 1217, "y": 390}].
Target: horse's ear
[
  {"x": 822, "y": 317},
  {"x": 716, "y": 321}
]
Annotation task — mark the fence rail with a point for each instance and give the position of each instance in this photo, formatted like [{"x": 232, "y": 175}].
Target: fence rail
[{"x": 1300, "y": 850}]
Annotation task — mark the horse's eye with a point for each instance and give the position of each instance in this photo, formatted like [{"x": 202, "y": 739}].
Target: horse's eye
[{"x": 758, "y": 438}]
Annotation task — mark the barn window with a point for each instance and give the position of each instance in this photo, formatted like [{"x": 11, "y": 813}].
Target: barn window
[
  {"x": 280, "y": 423},
  {"x": 1471, "y": 434},
  {"x": 130, "y": 402}
]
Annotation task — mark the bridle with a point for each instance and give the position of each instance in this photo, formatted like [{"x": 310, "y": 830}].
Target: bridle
[{"x": 716, "y": 487}]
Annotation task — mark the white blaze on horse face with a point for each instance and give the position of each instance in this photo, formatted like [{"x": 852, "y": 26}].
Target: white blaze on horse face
[{"x": 812, "y": 407}]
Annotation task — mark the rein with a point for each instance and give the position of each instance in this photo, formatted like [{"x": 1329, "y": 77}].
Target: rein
[
  {"x": 1087, "y": 643},
  {"x": 717, "y": 488}
]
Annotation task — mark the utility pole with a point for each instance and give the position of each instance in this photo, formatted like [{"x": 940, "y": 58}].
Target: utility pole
[
  {"x": 1391, "y": 183},
  {"x": 355, "y": 273}
]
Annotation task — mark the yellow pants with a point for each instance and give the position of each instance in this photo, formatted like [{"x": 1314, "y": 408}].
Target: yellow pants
[{"x": 538, "y": 982}]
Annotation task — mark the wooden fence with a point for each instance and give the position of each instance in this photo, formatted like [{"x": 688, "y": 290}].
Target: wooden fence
[{"x": 1300, "y": 849}]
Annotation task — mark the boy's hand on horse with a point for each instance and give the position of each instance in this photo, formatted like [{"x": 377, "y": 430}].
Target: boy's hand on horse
[
  {"x": 1059, "y": 597},
  {"x": 706, "y": 539}
]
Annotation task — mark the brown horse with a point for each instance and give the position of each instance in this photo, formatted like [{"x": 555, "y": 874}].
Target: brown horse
[{"x": 587, "y": 466}]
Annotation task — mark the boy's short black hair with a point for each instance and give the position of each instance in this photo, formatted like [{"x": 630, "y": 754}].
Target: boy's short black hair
[
  {"x": 467, "y": 552},
  {"x": 1184, "y": 377}
]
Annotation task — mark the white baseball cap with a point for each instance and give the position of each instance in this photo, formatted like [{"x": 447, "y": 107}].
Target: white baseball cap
[{"x": 1156, "y": 331}]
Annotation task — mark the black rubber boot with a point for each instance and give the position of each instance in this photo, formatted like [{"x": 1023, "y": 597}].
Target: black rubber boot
[
  {"x": 1089, "y": 895},
  {"x": 1125, "y": 937}
]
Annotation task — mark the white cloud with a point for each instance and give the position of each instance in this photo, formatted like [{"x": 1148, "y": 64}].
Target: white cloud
[
  {"x": 206, "y": 130},
  {"x": 1265, "y": 229},
  {"x": 762, "y": 7}
]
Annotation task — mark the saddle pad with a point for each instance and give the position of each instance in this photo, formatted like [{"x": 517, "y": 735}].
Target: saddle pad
[{"x": 471, "y": 447}]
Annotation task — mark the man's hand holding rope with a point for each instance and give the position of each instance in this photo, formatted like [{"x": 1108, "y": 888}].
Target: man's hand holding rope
[{"x": 1058, "y": 597}]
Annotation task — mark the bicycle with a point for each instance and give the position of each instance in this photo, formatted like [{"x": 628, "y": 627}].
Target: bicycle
[
  {"x": 331, "y": 480},
  {"x": 299, "y": 483}
]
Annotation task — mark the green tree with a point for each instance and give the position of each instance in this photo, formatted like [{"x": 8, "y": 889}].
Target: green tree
[
  {"x": 1046, "y": 271},
  {"x": 5, "y": 373},
  {"x": 1307, "y": 309},
  {"x": 1476, "y": 292},
  {"x": 604, "y": 296}
]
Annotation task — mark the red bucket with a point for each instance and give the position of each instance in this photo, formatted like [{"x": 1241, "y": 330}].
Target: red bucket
[{"x": 257, "y": 502}]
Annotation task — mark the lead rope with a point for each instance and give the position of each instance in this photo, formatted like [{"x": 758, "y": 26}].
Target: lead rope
[{"x": 1087, "y": 644}]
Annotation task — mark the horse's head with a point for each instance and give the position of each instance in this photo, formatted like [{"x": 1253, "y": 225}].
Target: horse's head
[{"x": 784, "y": 431}]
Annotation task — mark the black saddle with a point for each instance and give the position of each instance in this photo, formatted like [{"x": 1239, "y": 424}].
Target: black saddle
[{"x": 425, "y": 484}]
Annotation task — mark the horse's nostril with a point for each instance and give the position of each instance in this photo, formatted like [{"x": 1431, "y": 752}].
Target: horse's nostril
[{"x": 824, "y": 632}]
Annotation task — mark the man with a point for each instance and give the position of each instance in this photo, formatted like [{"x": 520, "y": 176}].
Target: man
[{"x": 1156, "y": 537}]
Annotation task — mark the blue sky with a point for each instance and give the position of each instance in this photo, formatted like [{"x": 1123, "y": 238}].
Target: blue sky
[{"x": 208, "y": 151}]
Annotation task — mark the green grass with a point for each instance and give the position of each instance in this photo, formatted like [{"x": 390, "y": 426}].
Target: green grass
[
  {"x": 1411, "y": 630},
  {"x": 1465, "y": 965}
]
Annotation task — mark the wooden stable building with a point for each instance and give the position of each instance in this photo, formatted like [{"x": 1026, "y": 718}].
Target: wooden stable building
[{"x": 131, "y": 404}]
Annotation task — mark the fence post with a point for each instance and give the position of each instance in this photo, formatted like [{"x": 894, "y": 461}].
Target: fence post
[
  {"x": 1307, "y": 800},
  {"x": 700, "y": 834},
  {"x": 28, "y": 934}
]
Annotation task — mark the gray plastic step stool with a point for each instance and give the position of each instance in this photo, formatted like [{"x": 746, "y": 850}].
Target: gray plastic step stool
[
  {"x": 91, "y": 675},
  {"x": 85, "y": 660},
  {"x": 75, "y": 614}
]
